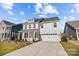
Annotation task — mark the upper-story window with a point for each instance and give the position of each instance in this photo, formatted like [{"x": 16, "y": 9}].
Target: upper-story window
[
  {"x": 29, "y": 26},
  {"x": 33, "y": 25},
  {"x": 25, "y": 26},
  {"x": 55, "y": 25},
  {"x": 8, "y": 28}
]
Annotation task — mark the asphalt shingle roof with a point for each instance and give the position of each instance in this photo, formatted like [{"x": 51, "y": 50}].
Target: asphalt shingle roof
[
  {"x": 7, "y": 22},
  {"x": 74, "y": 24},
  {"x": 48, "y": 19}
]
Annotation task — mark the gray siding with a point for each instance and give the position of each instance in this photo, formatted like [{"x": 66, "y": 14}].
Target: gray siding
[{"x": 70, "y": 32}]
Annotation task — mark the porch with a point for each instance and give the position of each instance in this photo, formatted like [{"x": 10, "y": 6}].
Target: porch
[
  {"x": 29, "y": 35},
  {"x": 4, "y": 36}
]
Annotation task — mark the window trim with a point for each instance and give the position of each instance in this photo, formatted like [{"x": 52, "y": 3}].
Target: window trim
[
  {"x": 25, "y": 26},
  {"x": 29, "y": 26}
]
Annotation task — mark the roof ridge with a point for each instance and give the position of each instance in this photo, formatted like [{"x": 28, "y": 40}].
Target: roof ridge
[{"x": 7, "y": 22}]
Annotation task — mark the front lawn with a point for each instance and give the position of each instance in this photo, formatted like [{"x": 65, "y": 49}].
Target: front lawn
[
  {"x": 70, "y": 48},
  {"x": 9, "y": 46}
]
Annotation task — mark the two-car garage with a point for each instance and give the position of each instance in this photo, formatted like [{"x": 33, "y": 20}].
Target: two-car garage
[{"x": 50, "y": 37}]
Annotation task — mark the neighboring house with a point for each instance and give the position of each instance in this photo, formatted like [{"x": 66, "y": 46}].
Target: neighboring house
[
  {"x": 71, "y": 30},
  {"x": 15, "y": 29},
  {"x": 5, "y": 30},
  {"x": 45, "y": 29}
]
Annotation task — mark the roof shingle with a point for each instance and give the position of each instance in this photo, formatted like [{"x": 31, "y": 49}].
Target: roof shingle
[
  {"x": 7, "y": 22},
  {"x": 74, "y": 24}
]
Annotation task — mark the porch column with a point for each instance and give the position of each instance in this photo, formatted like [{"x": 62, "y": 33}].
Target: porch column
[
  {"x": 28, "y": 39},
  {"x": 77, "y": 34},
  {"x": 19, "y": 36},
  {"x": 0, "y": 36},
  {"x": 34, "y": 36},
  {"x": 4, "y": 36}
]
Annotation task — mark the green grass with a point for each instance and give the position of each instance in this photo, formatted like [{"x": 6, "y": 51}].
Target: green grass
[
  {"x": 9, "y": 46},
  {"x": 71, "y": 49}
]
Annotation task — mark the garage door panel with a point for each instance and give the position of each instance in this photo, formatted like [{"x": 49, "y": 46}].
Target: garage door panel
[{"x": 50, "y": 38}]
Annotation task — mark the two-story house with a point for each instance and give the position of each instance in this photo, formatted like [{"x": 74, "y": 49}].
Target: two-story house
[
  {"x": 15, "y": 29},
  {"x": 45, "y": 29},
  {"x": 30, "y": 30},
  {"x": 71, "y": 30},
  {"x": 5, "y": 30}
]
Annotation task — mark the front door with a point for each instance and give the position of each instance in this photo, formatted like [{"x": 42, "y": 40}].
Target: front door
[
  {"x": 36, "y": 36},
  {"x": 20, "y": 36}
]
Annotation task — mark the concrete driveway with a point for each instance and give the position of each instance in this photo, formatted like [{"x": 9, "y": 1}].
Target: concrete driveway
[{"x": 40, "y": 49}]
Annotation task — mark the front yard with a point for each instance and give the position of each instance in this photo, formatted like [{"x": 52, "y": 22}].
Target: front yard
[
  {"x": 72, "y": 48},
  {"x": 8, "y": 46}
]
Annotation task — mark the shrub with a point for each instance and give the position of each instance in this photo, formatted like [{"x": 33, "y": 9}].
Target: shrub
[
  {"x": 64, "y": 39},
  {"x": 12, "y": 38}
]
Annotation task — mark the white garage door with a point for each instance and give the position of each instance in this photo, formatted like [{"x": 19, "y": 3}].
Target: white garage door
[{"x": 50, "y": 38}]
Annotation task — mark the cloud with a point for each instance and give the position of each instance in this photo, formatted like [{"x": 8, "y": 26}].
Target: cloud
[
  {"x": 75, "y": 8},
  {"x": 38, "y": 6},
  {"x": 72, "y": 11},
  {"x": 77, "y": 5},
  {"x": 28, "y": 6},
  {"x": 72, "y": 18},
  {"x": 69, "y": 18},
  {"x": 10, "y": 12},
  {"x": 22, "y": 13},
  {"x": 43, "y": 9},
  {"x": 50, "y": 9},
  {"x": 8, "y": 7},
  {"x": 64, "y": 17},
  {"x": 41, "y": 15}
]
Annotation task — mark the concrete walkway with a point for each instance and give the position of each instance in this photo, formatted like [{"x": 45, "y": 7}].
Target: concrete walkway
[{"x": 40, "y": 49}]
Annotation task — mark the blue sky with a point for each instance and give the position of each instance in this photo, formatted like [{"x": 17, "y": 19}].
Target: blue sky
[{"x": 20, "y": 12}]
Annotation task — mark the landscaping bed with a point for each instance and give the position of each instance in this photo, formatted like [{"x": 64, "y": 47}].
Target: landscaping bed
[
  {"x": 72, "y": 48},
  {"x": 9, "y": 46}
]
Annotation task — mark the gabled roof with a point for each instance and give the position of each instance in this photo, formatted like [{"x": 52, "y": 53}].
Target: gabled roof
[
  {"x": 45, "y": 19},
  {"x": 74, "y": 24},
  {"x": 48, "y": 19},
  {"x": 51, "y": 19},
  {"x": 7, "y": 22}
]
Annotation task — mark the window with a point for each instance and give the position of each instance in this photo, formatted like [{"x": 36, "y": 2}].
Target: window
[
  {"x": 42, "y": 26},
  {"x": 29, "y": 26},
  {"x": 25, "y": 35},
  {"x": 25, "y": 26},
  {"x": 8, "y": 28},
  {"x": 34, "y": 26},
  {"x": 55, "y": 25}
]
